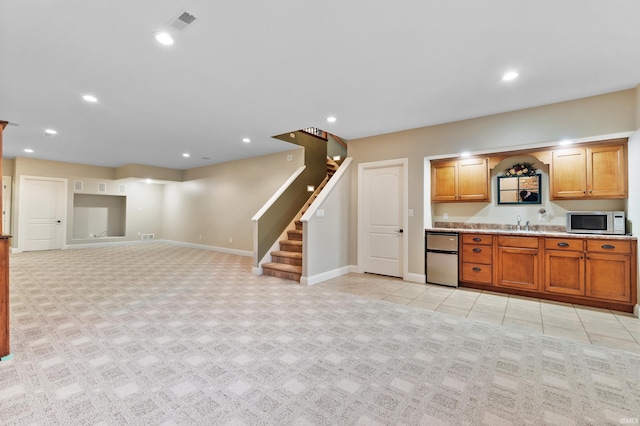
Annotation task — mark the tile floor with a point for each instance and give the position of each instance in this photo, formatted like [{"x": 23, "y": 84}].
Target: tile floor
[{"x": 580, "y": 323}]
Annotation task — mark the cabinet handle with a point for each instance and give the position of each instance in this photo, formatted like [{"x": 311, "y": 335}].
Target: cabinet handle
[
  {"x": 477, "y": 239},
  {"x": 608, "y": 246},
  {"x": 477, "y": 250},
  {"x": 477, "y": 269},
  {"x": 563, "y": 244}
]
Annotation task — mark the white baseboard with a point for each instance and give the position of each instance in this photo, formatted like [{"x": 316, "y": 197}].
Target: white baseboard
[
  {"x": 315, "y": 279},
  {"x": 416, "y": 278},
  {"x": 257, "y": 270},
  {"x": 353, "y": 269},
  {"x": 636, "y": 311},
  {"x": 237, "y": 252},
  {"x": 103, "y": 244}
]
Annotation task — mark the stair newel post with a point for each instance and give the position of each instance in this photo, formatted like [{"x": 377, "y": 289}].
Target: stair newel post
[{"x": 4, "y": 276}]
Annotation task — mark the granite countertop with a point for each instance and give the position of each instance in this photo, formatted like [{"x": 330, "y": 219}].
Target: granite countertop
[{"x": 550, "y": 231}]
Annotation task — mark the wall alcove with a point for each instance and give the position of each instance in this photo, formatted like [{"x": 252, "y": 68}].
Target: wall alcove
[{"x": 99, "y": 216}]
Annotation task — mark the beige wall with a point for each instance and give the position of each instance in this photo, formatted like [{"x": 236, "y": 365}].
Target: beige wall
[
  {"x": 144, "y": 202},
  {"x": 583, "y": 118},
  {"x": 216, "y": 203}
]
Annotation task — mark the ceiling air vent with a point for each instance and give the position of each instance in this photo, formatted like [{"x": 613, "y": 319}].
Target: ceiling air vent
[{"x": 183, "y": 21}]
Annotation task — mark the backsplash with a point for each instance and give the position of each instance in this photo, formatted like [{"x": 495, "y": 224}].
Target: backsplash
[{"x": 501, "y": 227}]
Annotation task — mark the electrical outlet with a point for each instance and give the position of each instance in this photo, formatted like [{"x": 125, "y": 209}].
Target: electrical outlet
[
  {"x": 200, "y": 236},
  {"x": 139, "y": 233},
  {"x": 543, "y": 217},
  {"x": 289, "y": 157},
  {"x": 230, "y": 240},
  {"x": 445, "y": 215}
]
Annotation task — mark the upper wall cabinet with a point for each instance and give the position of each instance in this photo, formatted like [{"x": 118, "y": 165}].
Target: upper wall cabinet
[
  {"x": 597, "y": 171},
  {"x": 460, "y": 180}
]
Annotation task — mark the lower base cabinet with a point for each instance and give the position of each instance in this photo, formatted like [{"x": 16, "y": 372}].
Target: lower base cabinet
[
  {"x": 518, "y": 265},
  {"x": 589, "y": 271},
  {"x": 608, "y": 276}
]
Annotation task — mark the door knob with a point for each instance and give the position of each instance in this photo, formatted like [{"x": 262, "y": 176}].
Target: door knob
[{"x": 400, "y": 231}]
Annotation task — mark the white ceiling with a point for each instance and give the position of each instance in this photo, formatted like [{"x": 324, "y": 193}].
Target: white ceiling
[{"x": 261, "y": 68}]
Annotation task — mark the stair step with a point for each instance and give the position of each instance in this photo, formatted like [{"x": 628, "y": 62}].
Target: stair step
[
  {"x": 295, "y": 235},
  {"x": 291, "y": 245},
  {"x": 280, "y": 270},
  {"x": 298, "y": 225},
  {"x": 287, "y": 257}
]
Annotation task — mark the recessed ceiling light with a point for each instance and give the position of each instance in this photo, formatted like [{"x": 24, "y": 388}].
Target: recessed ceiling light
[
  {"x": 28, "y": 150},
  {"x": 566, "y": 142},
  {"x": 331, "y": 119},
  {"x": 246, "y": 140},
  {"x": 164, "y": 38},
  {"x": 186, "y": 155},
  {"x": 90, "y": 98},
  {"x": 465, "y": 154},
  {"x": 511, "y": 75},
  {"x": 50, "y": 132}
]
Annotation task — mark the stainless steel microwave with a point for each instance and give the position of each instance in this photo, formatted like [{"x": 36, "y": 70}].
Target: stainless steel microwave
[{"x": 611, "y": 222}]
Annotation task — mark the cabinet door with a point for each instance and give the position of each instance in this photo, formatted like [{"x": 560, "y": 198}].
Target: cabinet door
[
  {"x": 564, "y": 272},
  {"x": 444, "y": 181},
  {"x": 518, "y": 268},
  {"x": 608, "y": 276},
  {"x": 473, "y": 180},
  {"x": 568, "y": 174},
  {"x": 607, "y": 172}
]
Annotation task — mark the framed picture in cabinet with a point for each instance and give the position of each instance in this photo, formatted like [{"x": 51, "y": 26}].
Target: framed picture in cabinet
[{"x": 519, "y": 189}]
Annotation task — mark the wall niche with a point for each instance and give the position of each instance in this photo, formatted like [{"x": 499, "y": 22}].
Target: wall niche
[{"x": 99, "y": 216}]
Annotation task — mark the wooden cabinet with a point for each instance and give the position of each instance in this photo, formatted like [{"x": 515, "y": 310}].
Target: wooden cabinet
[
  {"x": 589, "y": 172},
  {"x": 518, "y": 265},
  {"x": 564, "y": 270},
  {"x": 594, "y": 271},
  {"x": 608, "y": 270},
  {"x": 477, "y": 258},
  {"x": 599, "y": 269},
  {"x": 460, "y": 180}
]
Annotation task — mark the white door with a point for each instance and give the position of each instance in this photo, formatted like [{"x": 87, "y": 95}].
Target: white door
[
  {"x": 6, "y": 204},
  {"x": 382, "y": 216},
  {"x": 42, "y": 213}
]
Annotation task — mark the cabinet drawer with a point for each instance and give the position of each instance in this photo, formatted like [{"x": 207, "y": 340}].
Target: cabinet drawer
[
  {"x": 523, "y": 242},
  {"x": 563, "y": 244},
  {"x": 478, "y": 273},
  {"x": 476, "y": 253},
  {"x": 483, "y": 239},
  {"x": 609, "y": 246}
]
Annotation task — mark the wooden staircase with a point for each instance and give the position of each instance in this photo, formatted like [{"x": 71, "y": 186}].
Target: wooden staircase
[{"x": 287, "y": 262}]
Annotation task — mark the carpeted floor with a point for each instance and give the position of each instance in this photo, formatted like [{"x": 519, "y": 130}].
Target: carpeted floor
[{"x": 151, "y": 334}]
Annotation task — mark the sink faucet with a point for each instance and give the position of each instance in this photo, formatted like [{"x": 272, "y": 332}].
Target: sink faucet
[
  {"x": 526, "y": 226},
  {"x": 518, "y": 225}
]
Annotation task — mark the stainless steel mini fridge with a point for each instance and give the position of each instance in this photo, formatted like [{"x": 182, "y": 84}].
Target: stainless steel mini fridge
[{"x": 441, "y": 262}]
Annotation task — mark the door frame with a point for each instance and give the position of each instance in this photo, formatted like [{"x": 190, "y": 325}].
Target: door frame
[
  {"x": 22, "y": 209},
  {"x": 404, "y": 164}
]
